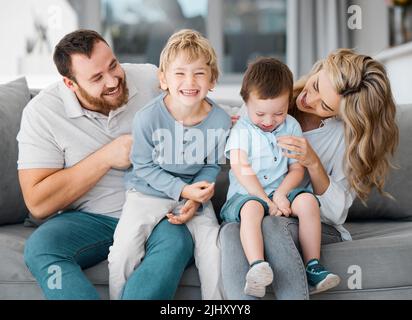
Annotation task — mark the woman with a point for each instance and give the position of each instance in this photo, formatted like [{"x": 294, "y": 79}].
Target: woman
[{"x": 347, "y": 113}]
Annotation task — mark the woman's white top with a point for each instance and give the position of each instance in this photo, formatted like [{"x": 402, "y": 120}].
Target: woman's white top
[{"x": 329, "y": 144}]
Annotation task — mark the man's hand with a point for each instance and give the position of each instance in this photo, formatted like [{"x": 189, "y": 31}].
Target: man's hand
[
  {"x": 201, "y": 191},
  {"x": 283, "y": 205},
  {"x": 117, "y": 153},
  {"x": 186, "y": 213}
]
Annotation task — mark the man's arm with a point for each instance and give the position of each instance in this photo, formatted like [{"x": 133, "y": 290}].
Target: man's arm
[{"x": 47, "y": 191}]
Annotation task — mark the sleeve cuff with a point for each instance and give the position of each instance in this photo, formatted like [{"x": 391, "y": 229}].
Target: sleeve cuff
[{"x": 177, "y": 189}]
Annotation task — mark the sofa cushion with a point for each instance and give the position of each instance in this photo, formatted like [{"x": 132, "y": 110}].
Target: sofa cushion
[
  {"x": 13, "y": 98},
  {"x": 399, "y": 183},
  {"x": 379, "y": 249},
  {"x": 379, "y": 255},
  {"x": 18, "y": 282}
]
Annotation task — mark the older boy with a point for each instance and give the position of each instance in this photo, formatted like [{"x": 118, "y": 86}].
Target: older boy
[{"x": 179, "y": 138}]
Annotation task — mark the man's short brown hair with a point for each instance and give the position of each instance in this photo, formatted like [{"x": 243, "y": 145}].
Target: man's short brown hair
[
  {"x": 267, "y": 78},
  {"x": 77, "y": 42}
]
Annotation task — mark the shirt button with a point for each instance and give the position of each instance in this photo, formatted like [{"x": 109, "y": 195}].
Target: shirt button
[
  {"x": 265, "y": 177},
  {"x": 276, "y": 159}
]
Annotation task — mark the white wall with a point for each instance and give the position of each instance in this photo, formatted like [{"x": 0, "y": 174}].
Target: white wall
[
  {"x": 373, "y": 39},
  {"x": 17, "y": 26},
  {"x": 374, "y": 35},
  {"x": 398, "y": 63}
]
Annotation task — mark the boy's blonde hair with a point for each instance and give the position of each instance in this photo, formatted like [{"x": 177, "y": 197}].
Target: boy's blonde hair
[{"x": 194, "y": 45}]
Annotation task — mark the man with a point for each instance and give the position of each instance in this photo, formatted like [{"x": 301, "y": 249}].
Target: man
[{"x": 74, "y": 146}]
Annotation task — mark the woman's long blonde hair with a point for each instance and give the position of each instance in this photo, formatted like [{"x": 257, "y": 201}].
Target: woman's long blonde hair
[{"x": 368, "y": 112}]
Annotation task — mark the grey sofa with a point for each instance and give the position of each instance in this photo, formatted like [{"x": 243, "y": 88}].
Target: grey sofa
[{"x": 377, "y": 264}]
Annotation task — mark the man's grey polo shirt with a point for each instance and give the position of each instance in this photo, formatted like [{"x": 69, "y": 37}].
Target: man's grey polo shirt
[{"x": 56, "y": 132}]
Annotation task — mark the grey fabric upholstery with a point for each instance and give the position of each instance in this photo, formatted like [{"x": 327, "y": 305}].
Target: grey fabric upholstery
[
  {"x": 382, "y": 249},
  {"x": 13, "y": 98},
  {"x": 16, "y": 281},
  {"x": 399, "y": 182}
]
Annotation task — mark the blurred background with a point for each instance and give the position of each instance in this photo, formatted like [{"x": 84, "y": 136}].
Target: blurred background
[{"x": 298, "y": 32}]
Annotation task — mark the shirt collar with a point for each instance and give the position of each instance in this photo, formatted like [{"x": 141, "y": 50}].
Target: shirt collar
[
  {"x": 131, "y": 85},
  {"x": 71, "y": 103}
]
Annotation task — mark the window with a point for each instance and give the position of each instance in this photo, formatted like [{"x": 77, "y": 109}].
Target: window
[
  {"x": 253, "y": 28},
  {"x": 239, "y": 30},
  {"x": 139, "y": 29}
]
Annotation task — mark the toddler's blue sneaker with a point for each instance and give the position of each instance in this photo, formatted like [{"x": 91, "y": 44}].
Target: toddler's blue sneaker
[{"x": 319, "y": 278}]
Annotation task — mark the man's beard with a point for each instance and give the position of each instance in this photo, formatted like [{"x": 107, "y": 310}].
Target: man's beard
[{"x": 101, "y": 104}]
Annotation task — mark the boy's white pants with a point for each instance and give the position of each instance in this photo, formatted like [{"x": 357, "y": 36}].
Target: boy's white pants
[{"x": 141, "y": 213}]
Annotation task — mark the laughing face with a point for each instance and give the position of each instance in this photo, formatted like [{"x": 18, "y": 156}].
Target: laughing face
[
  {"x": 187, "y": 82},
  {"x": 100, "y": 81},
  {"x": 267, "y": 114},
  {"x": 319, "y": 97}
]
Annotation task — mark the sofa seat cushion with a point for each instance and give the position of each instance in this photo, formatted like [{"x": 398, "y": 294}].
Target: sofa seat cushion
[
  {"x": 13, "y": 268},
  {"x": 380, "y": 255},
  {"x": 381, "y": 250}
]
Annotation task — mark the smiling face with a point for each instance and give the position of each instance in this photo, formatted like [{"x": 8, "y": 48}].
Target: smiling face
[
  {"x": 319, "y": 97},
  {"x": 267, "y": 114},
  {"x": 187, "y": 82},
  {"x": 100, "y": 82}
]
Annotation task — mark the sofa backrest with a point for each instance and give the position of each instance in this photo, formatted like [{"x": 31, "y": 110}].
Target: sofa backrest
[
  {"x": 13, "y": 98},
  {"x": 399, "y": 182},
  {"x": 398, "y": 185}
]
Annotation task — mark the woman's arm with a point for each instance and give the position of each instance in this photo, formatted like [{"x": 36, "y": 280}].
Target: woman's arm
[{"x": 336, "y": 201}]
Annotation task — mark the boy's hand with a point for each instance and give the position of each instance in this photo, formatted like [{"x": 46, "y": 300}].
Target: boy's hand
[
  {"x": 201, "y": 191},
  {"x": 283, "y": 204},
  {"x": 117, "y": 153},
  {"x": 273, "y": 208},
  {"x": 186, "y": 213}
]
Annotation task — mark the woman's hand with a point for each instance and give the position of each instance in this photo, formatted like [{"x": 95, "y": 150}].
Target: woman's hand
[{"x": 301, "y": 150}]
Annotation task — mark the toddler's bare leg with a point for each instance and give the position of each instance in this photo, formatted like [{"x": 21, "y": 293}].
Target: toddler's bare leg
[{"x": 306, "y": 208}]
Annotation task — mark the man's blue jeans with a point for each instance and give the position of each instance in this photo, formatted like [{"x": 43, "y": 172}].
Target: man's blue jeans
[{"x": 72, "y": 241}]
